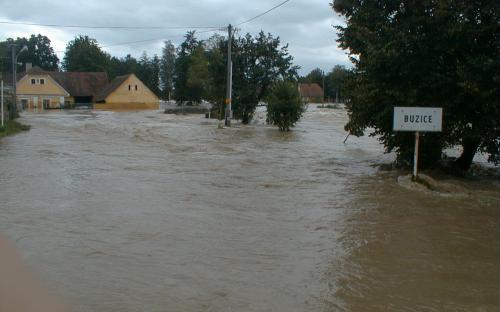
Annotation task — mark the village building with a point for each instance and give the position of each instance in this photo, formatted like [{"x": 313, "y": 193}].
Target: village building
[
  {"x": 127, "y": 92},
  {"x": 311, "y": 92},
  {"x": 40, "y": 89}
]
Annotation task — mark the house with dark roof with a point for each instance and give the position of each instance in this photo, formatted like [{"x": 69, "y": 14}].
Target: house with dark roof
[
  {"x": 40, "y": 89},
  {"x": 126, "y": 92},
  {"x": 311, "y": 92}
]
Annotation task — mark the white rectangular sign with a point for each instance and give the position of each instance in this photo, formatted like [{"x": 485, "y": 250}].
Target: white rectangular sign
[{"x": 418, "y": 119}]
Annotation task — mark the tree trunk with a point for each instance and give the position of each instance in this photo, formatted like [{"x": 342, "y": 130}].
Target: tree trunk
[{"x": 470, "y": 146}]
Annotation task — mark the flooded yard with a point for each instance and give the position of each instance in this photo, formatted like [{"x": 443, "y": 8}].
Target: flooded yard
[{"x": 144, "y": 211}]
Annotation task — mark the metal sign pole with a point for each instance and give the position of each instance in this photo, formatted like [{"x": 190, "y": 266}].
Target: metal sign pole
[
  {"x": 2, "y": 101},
  {"x": 415, "y": 157}
]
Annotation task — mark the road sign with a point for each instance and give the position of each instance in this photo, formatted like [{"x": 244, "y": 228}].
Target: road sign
[{"x": 427, "y": 119}]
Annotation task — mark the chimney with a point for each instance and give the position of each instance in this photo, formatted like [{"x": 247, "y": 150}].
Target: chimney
[{"x": 28, "y": 66}]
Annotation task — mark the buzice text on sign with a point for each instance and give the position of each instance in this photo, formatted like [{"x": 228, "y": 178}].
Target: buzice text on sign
[{"x": 418, "y": 119}]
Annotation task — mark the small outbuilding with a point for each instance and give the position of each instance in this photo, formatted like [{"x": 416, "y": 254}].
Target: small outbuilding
[
  {"x": 311, "y": 92},
  {"x": 127, "y": 92}
]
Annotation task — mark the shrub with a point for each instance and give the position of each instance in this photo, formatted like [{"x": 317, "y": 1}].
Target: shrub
[{"x": 284, "y": 105}]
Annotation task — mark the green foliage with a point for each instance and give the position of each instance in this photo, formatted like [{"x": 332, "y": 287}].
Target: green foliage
[
  {"x": 335, "y": 83},
  {"x": 217, "y": 70},
  {"x": 148, "y": 71},
  {"x": 40, "y": 53},
  {"x": 198, "y": 75},
  {"x": 315, "y": 76},
  {"x": 284, "y": 105},
  {"x": 183, "y": 92},
  {"x": 167, "y": 70},
  {"x": 84, "y": 54},
  {"x": 258, "y": 63},
  {"x": 122, "y": 66},
  {"x": 12, "y": 127},
  {"x": 425, "y": 53}
]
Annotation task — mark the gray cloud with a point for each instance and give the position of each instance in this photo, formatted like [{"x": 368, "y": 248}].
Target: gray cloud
[{"x": 306, "y": 25}]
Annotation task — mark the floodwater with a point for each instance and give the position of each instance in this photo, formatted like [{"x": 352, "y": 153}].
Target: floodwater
[{"x": 143, "y": 211}]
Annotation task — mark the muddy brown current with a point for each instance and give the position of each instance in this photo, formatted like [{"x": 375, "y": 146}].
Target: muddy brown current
[{"x": 142, "y": 211}]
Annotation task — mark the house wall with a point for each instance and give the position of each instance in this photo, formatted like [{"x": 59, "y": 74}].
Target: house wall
[
  {"x": 127, "y": 96},
  {"x": 40, "y": 96}
]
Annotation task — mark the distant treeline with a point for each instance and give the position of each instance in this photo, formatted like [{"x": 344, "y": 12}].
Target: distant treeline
[{"x": 193, "y": 71}]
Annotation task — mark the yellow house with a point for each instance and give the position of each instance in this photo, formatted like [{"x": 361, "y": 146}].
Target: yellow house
[
  {"x": 127, "y": 92},
  {"x": 39, "y": 89}
]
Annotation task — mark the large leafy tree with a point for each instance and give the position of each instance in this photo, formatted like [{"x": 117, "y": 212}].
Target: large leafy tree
[
  {"x": 284, "y": 105},
  {"x": 199, "y": 80},
  {"x": 167, "y": 70},
  {"x": 84, "y": 54},
  {"x": 335, "y": 82},
  {"x": 148, "y": 71},
  {"x": 258, "y": 63},
  {"x": 40, "y": 53},
  {"x": 315, "y": 76},
  {"x": 425, "y": 53},
  {"x": 183, "y": 92},
  {"x": 217, "y": 69}
]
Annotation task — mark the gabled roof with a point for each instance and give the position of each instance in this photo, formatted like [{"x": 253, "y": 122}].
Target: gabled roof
[
  {"x": 35, "y": 70},
  {"x": 310, "y": 90},
  {"x": 75, "y": 83},
  {"x": 81, "y": 83},
  {"x": 112, "y": 86}
]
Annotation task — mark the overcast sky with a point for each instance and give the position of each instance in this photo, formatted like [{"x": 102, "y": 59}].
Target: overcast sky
[{"x": 306, "y": 25}]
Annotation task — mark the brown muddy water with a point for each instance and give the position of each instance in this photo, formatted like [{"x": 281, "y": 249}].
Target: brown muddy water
[{"x": 142, "y": 211}]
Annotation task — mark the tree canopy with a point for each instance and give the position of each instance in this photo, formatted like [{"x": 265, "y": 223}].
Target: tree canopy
[
  {"x": 284, "y": 105},
  {"x": 425, "y": 53},
  {"x": 258, "y": 63},
  {"x": 167, "y": 69},
  {"x": 84, "y": 54},
  {"x": 40, "y": 53}
]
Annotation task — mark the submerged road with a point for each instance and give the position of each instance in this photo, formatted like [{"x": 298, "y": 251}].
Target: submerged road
[{"x": 143, "y": 211}]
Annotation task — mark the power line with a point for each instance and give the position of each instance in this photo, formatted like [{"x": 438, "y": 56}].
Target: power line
[
  {"x": 263, "y": 13},
  {"x": 148, "y": 40},
  {"x": 107, "y": 27},
  {"x": 139, "y": 27},
  {"x": 154, "y": 39}
]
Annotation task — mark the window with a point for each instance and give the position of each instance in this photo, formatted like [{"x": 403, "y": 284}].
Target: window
[
  {"x": 135, "y": 87},
  {"x": 45, "y": 103},
  {"x": 129, "y": 87},
  {"x": 42, "y": 81},
  {"x": 33, "y": 81}
]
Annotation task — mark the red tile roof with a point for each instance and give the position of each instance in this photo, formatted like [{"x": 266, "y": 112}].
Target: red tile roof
[
  {"x": 76, "y": 83},
  {"x": 310, "y": 90}
]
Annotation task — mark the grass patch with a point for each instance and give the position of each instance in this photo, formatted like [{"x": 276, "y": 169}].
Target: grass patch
[{"x": 12, "y": 127}]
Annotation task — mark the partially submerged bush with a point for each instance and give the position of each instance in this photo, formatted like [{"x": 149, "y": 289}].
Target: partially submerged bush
[{"x": 284, "y": 105}]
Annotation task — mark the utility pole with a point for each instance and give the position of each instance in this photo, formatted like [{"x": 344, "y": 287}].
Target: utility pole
[
  {"x": 12, "y": 112},
  {"x": 228, "y": 111},
  {"x": 323, "y": 85},
  {"x": 2, "y": 99},
  {"x": 13, "y": 108}
]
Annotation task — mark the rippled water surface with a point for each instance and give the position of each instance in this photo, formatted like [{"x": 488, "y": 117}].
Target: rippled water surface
[{"x": 143, "y": 211}]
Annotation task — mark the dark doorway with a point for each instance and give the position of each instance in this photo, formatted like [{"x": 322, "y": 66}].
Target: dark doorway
[{"x": 83, "y": 99}]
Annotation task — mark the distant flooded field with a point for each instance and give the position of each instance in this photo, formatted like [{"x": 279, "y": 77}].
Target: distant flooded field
[{"x": 145, "y": 211}]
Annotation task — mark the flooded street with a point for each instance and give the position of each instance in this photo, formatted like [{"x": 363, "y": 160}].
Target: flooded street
[{"x": 143, "y": 211}]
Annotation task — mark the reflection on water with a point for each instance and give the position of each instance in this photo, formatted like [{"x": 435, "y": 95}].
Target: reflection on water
[{"x": 143, "y": 211}]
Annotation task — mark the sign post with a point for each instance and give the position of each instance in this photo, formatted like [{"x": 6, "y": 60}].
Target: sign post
[
  {"x": 1, "y": 87},
  {"x": 418, "y": 119}
]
